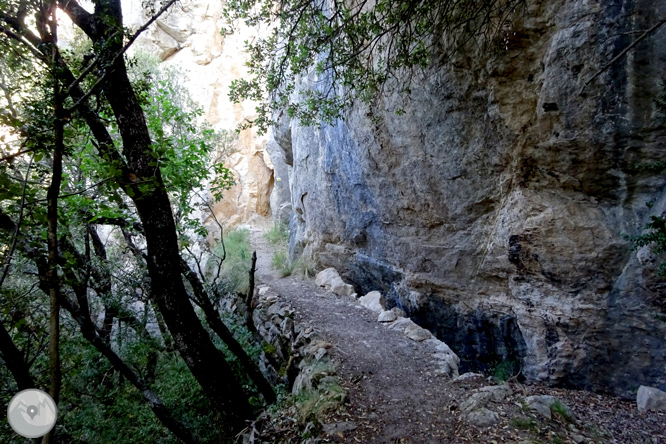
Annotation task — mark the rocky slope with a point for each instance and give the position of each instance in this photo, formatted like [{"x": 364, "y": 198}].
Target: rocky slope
[{"x": 494, "y": 211}]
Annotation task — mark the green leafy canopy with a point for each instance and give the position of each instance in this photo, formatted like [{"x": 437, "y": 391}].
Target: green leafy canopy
[{"x": 350, "y": 50}]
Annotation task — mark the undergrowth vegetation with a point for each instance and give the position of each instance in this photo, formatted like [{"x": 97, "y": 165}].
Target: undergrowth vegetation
[
  {"x": 278, "y": 236},
  {"x": 237, "y": 253}
]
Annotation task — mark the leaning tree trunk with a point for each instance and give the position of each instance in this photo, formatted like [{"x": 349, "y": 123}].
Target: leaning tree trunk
[
  {"x": 192, "y": 341},
  {"x": 168, "y": 291},
  {"x": 14, "y": 360}
]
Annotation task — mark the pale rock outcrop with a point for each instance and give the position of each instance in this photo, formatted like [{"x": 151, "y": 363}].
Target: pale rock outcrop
[
  {"x": 401, "y": 324},
  {"x": 372, "y": 301},
  {"x": 493, "y": 211},
  {"x": 497, "y": 392},
  {"x": 448, "y": 362},
  {"x": 387, "y": 316},
  {"x": 482, "y": 417},
  {"x": 469, "y": 375},
  {"x": 474, "y": 409},
  {"x": 188, "y": 37},
  {"x": 399, "y": 312},
  {"x": 650, "y": 398},
  {"x": 416, "y": 333},
  {"x": 331, "y": 280}
]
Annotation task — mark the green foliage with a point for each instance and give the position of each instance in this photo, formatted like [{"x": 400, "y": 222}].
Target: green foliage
[
  {"x": 562, "y": 410},
  {"x": 188, "y": 152},
  {"x": 353, "y": 48},
  {"x": 98, "y": 405},
  {"x": 505, "y": 370},
  {"x": 278, "y": 234},
  {"x": 304, "y": 267},
  {"x": 281, "y": 263},
  {"x": 324, "y": 395},
  {"x": 655, "y": 237},
  {"x": 236, "y": 265},
  {"x": 246, "y": 340},
  {"x": 523, "y": 423}
]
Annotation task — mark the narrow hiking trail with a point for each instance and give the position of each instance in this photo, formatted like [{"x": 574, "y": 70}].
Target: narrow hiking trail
[{"x": 395, "y": 394}]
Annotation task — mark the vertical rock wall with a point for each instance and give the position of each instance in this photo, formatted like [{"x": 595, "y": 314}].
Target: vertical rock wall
[{"x": 494, "y": 210}]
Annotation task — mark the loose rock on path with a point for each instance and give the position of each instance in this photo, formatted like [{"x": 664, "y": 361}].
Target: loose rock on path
[{"x": 398, "y": 394}]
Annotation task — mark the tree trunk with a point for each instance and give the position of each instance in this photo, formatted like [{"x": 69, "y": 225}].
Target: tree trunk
[
  {"x": 195, "y": 346},
  {"x": 221, "y": 330},
  {"x": 90, "y": 333},
  {"x": 250, "y": 295},
  {"x": 138, "y": 168},
  {"x": 14, "y": 360},
  {"x": 52, "y": 194}
]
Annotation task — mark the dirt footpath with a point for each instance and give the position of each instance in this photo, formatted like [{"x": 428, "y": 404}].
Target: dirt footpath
[{"x": 396, "y": 396}]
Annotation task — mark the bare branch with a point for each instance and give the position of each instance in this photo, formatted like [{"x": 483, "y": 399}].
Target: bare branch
[
  {"x": 116, "y": 56},
  {"x": 659, "y": 24}
]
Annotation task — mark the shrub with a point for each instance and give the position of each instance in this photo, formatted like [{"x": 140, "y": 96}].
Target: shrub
[
  {"x": 505, "y": 370},
  {"x": 278, "y": 235},
  {"x": 234, "y": 274},
  {"x": 281, "y": 263}
]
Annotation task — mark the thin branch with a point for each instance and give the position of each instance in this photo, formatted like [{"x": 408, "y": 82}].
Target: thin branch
[
  {"x": 89, "y": 68},
  {"x": 10, "y": 253},
  {"x": 11, "y": 34},
  {"x": 659, "y": 24},
  {"x": 224, "y": 248},
  {"x": 117, "y": 55},
  {"x": 95, "y": 185},
  {"x": 12, "y": 156}
]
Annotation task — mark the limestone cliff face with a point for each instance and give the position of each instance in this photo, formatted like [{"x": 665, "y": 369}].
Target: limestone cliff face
[
  {"x": 494, "y": 210},
  {"x": 188, "y": 36}
]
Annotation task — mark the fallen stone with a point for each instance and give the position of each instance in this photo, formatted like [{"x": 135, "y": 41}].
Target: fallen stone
[
  {"x": 650, "y": 398},
  {"x": 482, "y": 417},
  {"x": 447, "y": 365},
  {"x": 335, "y": 428},
  {"x": 342, "y": 289},
  {"x": 331, "y": 280},
  {"x": 373, "y": 301},
  {"x": 287, "y": 327},
  {"x": 469, "y": 375},
  {"x": 578, "y": 439},
  {"x": 497, "y": 392},
  {"x": 542, "y": 409},
  {"x": 401, "y": 324},
  {"x": 543, "y": 404},
  {"x": 444, "y": 370},
  {"x": 475, "y": 401},
  {"x": 445, "y": 354},
  {"x": 442, "y": 347},
  {"x": 416, "y": 333},
  {"x": 319, "y": 353},
  {"x": 399, "y": 312},
  {"x": 387, "y": 316},
  {"x": 324, "y": 277}
]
